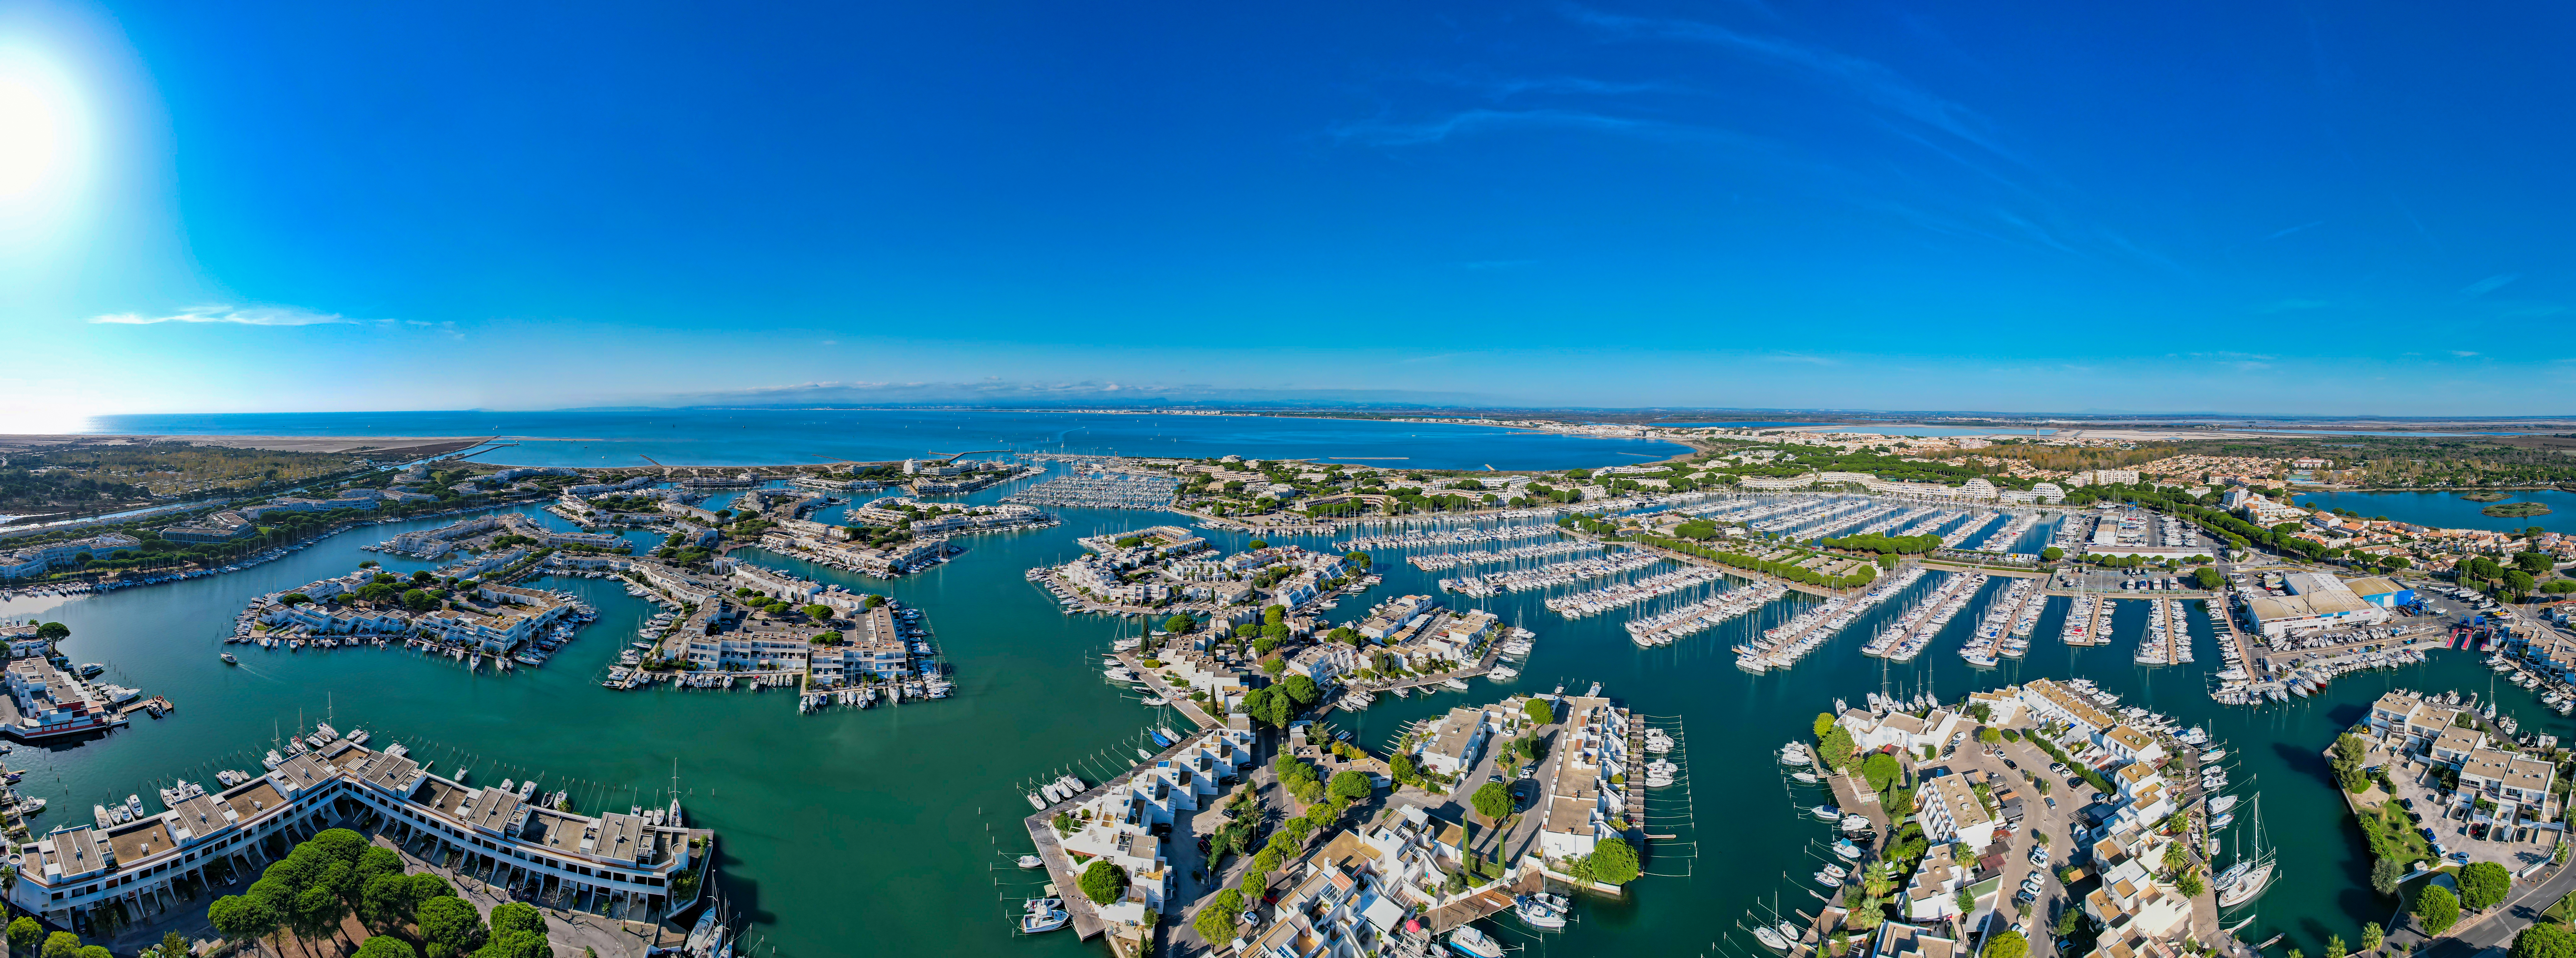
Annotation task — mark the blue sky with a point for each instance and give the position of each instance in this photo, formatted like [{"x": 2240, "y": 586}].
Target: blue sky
[{"x": 2237, "y": 207}]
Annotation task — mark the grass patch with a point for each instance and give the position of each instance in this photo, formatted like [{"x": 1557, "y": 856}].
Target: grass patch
[{"x": 2392, "y": 835}]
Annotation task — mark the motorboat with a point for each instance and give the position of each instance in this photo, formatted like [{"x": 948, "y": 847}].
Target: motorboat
[
  {"x": 2213, "y": 755},
  {"x": 1827, "y": 812},
  {"x": 1474, "y": 944},
  {"x": 1044, "y": 915},
  {"x": 1805, "y": 778},
  {"x": 1032, "y": 861},
  {"x": 1539, "y": 911},
  {"x": 230, "y": 660},
  {"x": 1847, "y": 851},
  {"x": 2221, "y": 804}
]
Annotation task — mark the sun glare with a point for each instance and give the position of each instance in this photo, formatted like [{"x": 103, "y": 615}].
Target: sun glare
[{"x": 43, "y": 134}]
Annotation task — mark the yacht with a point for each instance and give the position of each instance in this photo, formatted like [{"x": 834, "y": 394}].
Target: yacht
[
  {"x": 1032, "y": 861},
  {"x": 1044, "y": 915},
  {"x": 1474, "y": 944},
  {"x": 1541, "y": 911},
  {"x": 1827, "y": 812},
  {"x": 1770, "y": 939},
  {"x": 230, "y": 660},
  {"x": 2243, "y": 882}
]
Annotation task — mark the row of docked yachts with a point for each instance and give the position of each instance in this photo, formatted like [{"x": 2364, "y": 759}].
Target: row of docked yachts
[
  {"x": 2168, "y": 639},
  {"x": 1786, "y": 643},
  {"x": 2557, "y": 699},
  {"x": 1624, "y": 594},
  {"x": 1667, "y": 627},
  {"x": 2005, "y": 631},
  {"x": 1959, "y": 536},
  {"x": 1444, "y": 561},
  {"x": 1903, "y": 639},
  {"x": 2082, "y": 621},
  {"x": 1418, "y": 539},
  {"x": 1549, "y": 576}
]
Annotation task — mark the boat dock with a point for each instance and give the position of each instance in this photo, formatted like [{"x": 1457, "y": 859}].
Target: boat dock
[
  {"x": 1060, "y": 866},
  {"x": 1179, "y": 698}
]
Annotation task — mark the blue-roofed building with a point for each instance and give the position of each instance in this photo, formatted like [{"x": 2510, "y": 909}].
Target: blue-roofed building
[{"x": 2381, "y": 592}]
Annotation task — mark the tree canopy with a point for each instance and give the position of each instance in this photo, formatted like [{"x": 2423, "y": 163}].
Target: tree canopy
[
  {"x": 2544, "y": 940},
  {"x": 1614, "y": 862},
  {"x": 1104, "y": 881},
  {"x": 451, "y": 923},
  {"x": 2007, "y": 944},
  {"x": 2437, "y": 909},
  {"x": 2483, "y": 884},
  {"x": 1493, "y": 800},
  {"x": 1350, "y": 785}
]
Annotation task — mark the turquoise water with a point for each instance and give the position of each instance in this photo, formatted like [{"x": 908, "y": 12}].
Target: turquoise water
[
  {"x": 730, "y": 437},
  {"x": 2448, "y": 510},
  {"x": 1931, "y": 430},
  {"x": 894, "y": 827}
]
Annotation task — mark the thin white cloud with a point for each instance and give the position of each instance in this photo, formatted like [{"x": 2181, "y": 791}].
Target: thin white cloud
[
  {"x": 2287, "y": 305},
  {"x": 238, "y": 315},
  {"x": 2299, "y": 228},
  {"x": 2463, "y": 353},
  {"x": 2489, "y": 284},
  {"x": 1872, "y": 81},
  {"x": 1434, "y": 131}
]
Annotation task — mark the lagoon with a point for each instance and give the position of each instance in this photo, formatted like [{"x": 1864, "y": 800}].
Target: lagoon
[
  {"x": 743, "y": 437},
  {"x": 2446, "y": 509},
  {"x": 895, "y": 826}
]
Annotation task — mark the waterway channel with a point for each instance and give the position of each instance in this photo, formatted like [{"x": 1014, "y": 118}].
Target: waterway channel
[{"x": 893, "y": 828}]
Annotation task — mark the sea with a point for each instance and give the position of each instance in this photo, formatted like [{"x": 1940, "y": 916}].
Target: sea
[
  {"x": 745, "y": 437},
  {"x": 894, "y": 829}
]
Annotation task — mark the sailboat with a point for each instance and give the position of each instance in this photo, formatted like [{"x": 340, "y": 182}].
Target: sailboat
[{"x": 2247, "y": 879}]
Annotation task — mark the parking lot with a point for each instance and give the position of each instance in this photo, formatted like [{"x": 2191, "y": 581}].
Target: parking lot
[
  {"x": 2460, "y": 831},
  {"x": 2017, "y": 767}
]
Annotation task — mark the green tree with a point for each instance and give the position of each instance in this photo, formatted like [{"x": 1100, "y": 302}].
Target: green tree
[
  {"x": 1492, "y": 801},
  {"x": 1881, "y": 770},
  {"x": 2334, "y": 946},
  {"x": 2437, "y": 909},
  {"x": 2051, "y": 554},
  {"x": 1824, "y": 720},
  {"x": 1104, "y": 881},
  {"x": 818, "y": 612},
  {"x": 386, "y": 901},
  {"x": 1215, "y": 921},
  {"x": 1179, "y": 624},
  {"x": 1614, "y": 862},
  {"x": 1350, "y": 785},
  {"x": 2190, "y": 884},
  {"x": 61, "y": 944},
  {"x": 517, "y": 944},
  {"x": 2384, "y": 873},
  {"x": 2542, "y": 940},
  {"x": 175, "y": 945},
  {"x": 517, "y": 916},
  {"x": 451, "y": 926},
  {"x": 1539, "y": 711},
  {"x": 1301, "y": 690},
  {"x": 56, "y": 631},
  {"x": 1401, "y": 768},
  {"x": 2371, "y": 936},
  {"x": 2007, "y": 944},
  {"x": 25, "y": 935},
  {"x": 383, "y": 946},
  {"x": 2483, "y": 884}
]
